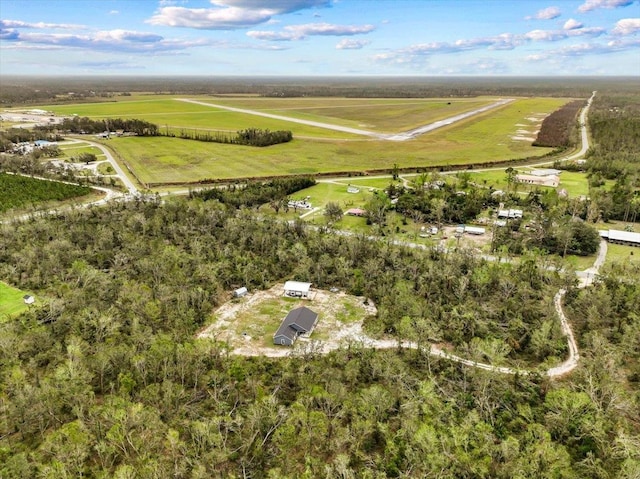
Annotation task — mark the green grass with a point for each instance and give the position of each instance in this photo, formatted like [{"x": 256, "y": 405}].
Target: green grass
[
  {"x": 75, "y": 150},
  {"x": 484, "y": 138},
  {"x": 11, "y": 301},
  {"x": 617, "y": 253},
  {"x": 388, "y": 115}
]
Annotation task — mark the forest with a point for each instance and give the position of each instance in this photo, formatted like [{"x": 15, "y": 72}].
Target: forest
[
  {"x": 556, "y": 129},
  {"x": 105, "y": 378}
]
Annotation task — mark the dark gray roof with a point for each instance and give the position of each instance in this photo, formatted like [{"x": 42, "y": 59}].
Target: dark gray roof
[{"x": 298, "y": 321}]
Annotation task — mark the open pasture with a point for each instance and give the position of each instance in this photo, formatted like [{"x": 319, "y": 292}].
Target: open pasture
[
  {"x": 484, "y": 138},
  {"x": 381, "y": 115}
]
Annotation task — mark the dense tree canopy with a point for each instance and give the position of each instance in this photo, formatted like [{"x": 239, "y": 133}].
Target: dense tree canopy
[{"x": 106, "y": 380}]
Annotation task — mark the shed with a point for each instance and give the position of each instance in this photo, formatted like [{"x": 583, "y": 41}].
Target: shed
[
  {"x": 299, "y": 321},
  {"x": 28, "y": 299},
  {"x": 545, "y": 172},
  {"x": 510, "y": 213},
  {"x": 353, "y": 189},
  {"x": 356, "y": 212},
  {"x": 474, "y": 230},
  {"x": 240, "y": 292},
  {"x": 627, "y": 238},
  {"x": 297, "y": 289}
]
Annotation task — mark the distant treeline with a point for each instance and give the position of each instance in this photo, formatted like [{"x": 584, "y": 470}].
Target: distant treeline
[
  {"x": 248, "y": 137},
  {"x": 556, "y": 129},
  {"x": 39, "y": 90},
  {"x": 255, "y": 193}
]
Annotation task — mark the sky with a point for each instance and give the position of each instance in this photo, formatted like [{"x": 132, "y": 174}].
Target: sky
[{"x": 320, "y": 37}]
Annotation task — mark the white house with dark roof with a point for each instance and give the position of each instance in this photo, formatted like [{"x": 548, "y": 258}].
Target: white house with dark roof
[{"x": 299, "y": 321}]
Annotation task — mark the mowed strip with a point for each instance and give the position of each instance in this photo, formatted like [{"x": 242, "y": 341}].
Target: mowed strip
[{"x": 380, "y": 136}]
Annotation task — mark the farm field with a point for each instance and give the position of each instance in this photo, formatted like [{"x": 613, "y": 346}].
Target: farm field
[
  {"x": 21, "y": 191},
  {"x": 482, "y": 139},
  {"x": 11, "y": 301}
]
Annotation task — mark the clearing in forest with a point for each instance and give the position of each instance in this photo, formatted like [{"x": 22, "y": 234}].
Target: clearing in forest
[
  {"x": 248, "y": 324},
  {"x": 11, "y": 301}
]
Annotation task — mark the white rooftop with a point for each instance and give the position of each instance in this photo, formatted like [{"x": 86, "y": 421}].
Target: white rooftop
[
  {"x": 617, "y": 235},
  {"x": 297, "y": 286},
  {"x": 545, "y": 172}
]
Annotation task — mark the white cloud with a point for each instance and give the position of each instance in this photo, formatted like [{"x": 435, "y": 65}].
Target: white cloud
[
  {"x": 39, "y": 25},
  {"x": 230, "y": 14},
  {"x": 114, "y": 12},
  {"x": 117, "y": 41},
  {"x": 548, "y": 13},
  {"x": 504, "y": 41},
  {"x": 589, "y": 5},
  {"x": 556, "y": 35},
  {"x": 572, "y": 24},
  {"x": 349, "y": 44},
  {"x": 299, "y": 32},
  {"x": 626, "y": 26},
  {"x": 582, "y": 49}
]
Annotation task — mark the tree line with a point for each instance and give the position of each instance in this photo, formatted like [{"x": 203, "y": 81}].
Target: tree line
[
  {"x": 559, "y": 128},
  {"x": 248, "y": 137}
]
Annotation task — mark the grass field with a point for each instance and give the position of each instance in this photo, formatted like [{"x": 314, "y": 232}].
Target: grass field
[
  {"x": 11, "y": 301},
  {"x": 575, "y": 183},
  {"x": 617, "y": 253},
  {"x": 383, "y": 115},
  {"x": 486, "y": 137}
]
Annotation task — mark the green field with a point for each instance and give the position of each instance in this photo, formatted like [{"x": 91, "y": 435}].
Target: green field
[
  {"x": 617, "y": 253},
  {"x": 575, "y": 183},
  {"x": 11, "y": 301},
  {"x": 487, "y": 137},
  {"x": 383, "y": 115}
]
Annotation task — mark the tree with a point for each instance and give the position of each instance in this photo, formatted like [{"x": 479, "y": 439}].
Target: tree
[
  {"x": 333, "y": 212},
  {"x": 85, "y": 158}
]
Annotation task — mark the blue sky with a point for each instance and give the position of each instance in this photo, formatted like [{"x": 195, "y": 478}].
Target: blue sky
[{"x": 320, "y": 37}]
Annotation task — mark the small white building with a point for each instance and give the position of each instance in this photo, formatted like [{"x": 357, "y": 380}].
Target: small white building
[
  {"x": 474, "y": 230},
  {"x": 545, "y": 172},
  {"x": 28, "y": 299},
  {"x": 551, "y": 180},
  {"x": 297, "y": 289},
  {"x": 240, "y": 292},
  {"x": 353, "y": 189},
  {"x": 510, "y": 213},
  {"x": 628, "y": 238}
]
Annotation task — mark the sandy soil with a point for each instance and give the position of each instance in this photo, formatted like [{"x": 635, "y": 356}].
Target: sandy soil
[{"x": 326, "y": 303}]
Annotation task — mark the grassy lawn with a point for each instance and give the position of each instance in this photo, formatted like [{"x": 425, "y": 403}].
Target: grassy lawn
[
  {"x": 11, "y": 301},
  {"x": 484, "y": 138},
  {"x": 617, "y": 253},
  {"x": 76, "y": 150}
]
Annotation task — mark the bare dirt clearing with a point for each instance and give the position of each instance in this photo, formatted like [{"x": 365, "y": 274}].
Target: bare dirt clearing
[{"x": 247, "y": 324}]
